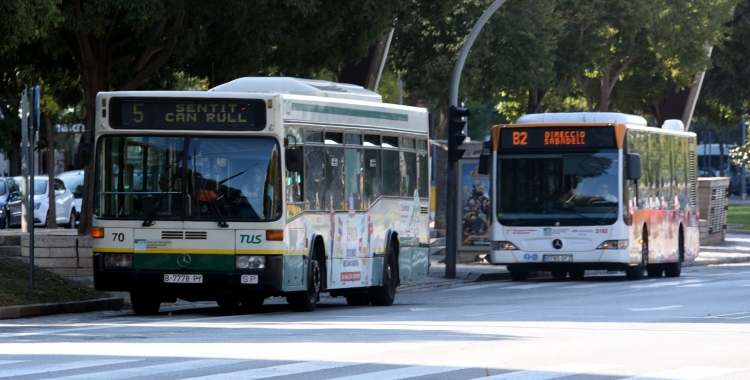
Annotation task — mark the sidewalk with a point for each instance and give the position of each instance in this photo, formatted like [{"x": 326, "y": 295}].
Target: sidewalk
[{"x": 734, "y": 249}]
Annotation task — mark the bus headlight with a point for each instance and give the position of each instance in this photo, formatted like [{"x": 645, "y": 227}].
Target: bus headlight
[
  {"x": 250, "y": 262},
  {"x": 118, "y": 261},
  {"x": 503, "y": 246},
  {"x": 613, "y": 244}
]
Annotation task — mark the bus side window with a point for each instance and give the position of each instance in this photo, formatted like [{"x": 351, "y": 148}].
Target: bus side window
[
  {"x": 335, "y": 186},
  {"x": 314, "y": 188},
  {"x": 353, "y": 178},
  {"x": 391, "y": 173},
  {"x": 372, "y": 180}
]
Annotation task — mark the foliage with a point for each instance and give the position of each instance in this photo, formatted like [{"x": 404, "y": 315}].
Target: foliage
[
  {"x": 725, "y": 95},
  {"x": 650, "y": 44},
  {"x": 22, "y": 21},
  {"x": 48, "y": 287}
]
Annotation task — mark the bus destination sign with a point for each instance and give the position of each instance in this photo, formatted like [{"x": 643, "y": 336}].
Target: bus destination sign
[
  {"x": 557, "y": 137},
  {"x": 187, "y": 113}
]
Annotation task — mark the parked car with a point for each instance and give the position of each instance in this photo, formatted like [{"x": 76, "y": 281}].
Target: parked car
[
  {"x": 74, "y": 182},
  {"x": 8, "y": 189},
  {"x": 64, "y": 207}
]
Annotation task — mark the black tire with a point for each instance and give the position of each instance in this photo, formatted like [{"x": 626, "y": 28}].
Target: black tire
[
  {"x": 637, "y": 273},
  {"x": 7, "y": 219},
  {"x": 577, "y": 273},
  {"x": 385, "y": 294},
  {"x": 144, "y": 304},
  {"x": 516, "y": 275},
  {"x": 559, "y": 274},
  {"x": 675, "y": 269},
  {"x": 308, "y": 299},
  {"x": 358, "y": 299},
  {"x": 71, "y": 219},
  {"x": 46, "y": 221},
  {"x": 655, "y": 270}
]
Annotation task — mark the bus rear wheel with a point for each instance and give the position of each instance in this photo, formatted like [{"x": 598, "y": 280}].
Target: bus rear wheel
[
  {"x": 144, "y": 304},
  {"x": 308, "y": 299},
  {"x": 675, "y": 269},
  {"x": 385, "y": 294}
]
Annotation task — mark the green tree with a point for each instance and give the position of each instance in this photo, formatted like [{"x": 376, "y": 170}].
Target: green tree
[
  {"x": 647, "y": 42},
  {"x": 118, "y": 45}
]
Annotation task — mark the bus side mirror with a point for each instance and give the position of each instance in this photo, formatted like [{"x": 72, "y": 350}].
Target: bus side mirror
[
  {"x": 84, "y": 154},
  {"x": 634, "y": 166},
  {"x": 484, "y": 159},
  {"x": 293, "y": 157}
]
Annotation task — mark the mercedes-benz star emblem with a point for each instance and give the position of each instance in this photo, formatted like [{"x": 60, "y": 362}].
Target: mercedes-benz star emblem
[
  {"x": 183, "y": 260},
  {"x": 557, "y": 244}
]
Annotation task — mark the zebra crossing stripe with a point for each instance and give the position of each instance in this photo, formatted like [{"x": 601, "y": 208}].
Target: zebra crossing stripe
[
  {"x": 4, "y": 362},
  {"x": 153, "y": 370},
  {"x": 402, "y": 373},
  {"x": 44, "y": 368},
  {"x": 687, "y": 373},
  {"x": 549, "y": 373},
  {"x": 279, "y": 370}
]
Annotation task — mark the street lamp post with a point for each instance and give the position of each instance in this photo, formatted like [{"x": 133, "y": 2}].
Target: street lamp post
[{"x": 451, "y": 223}]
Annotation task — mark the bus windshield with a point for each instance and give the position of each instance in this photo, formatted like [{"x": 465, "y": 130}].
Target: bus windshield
[
  {"x": 188, "y": 178},
  {"x": 570, "y": 189}
]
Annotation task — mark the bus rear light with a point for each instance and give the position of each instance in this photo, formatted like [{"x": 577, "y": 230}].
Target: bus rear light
[
  {"x": 118, "y": 260},
  {"x": 275, "y": 235},
  {"x": 503, "y": 246},
  {"x": 250, "y": 262},
  {"x": 97, "y": 232},
  {"x": 613, "y": 244}
]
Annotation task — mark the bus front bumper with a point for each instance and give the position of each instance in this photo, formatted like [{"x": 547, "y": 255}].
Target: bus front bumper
[
  {"x": 607, "y": 259},
  {"x": 214, "y": 283}
]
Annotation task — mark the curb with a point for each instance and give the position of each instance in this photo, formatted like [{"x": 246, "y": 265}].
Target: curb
[{"x": 36, "y": 310}]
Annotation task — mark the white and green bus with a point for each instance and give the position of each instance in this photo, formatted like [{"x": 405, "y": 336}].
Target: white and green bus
[{"x": 259, "y": 187}]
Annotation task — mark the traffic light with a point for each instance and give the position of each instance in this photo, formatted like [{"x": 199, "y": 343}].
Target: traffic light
[{"x": 456, "y": 123}]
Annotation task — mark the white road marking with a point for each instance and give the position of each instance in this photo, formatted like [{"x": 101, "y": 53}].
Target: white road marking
[
  {"x": 473, "y": 287},
  {"x": 548, "y": 373},
  {"x": 279, "y": 370},
  {"x": 497, "y": 312},
  {"x": 687, "y": 373},
  {"x": 4, "y": 362},
  {"x": 661, "y": 284},
  {"x": 422, "y": 308},
  {"x": 44, "y": 368},
  {"x": 153, "y": 370},
  {"x": 656, "y": 308},
  {"x": 402, "y": 373},
  {"x": 530, "y": 286}
]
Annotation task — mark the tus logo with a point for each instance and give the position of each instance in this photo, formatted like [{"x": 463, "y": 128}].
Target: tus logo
[{"x": 250, "y": 239}]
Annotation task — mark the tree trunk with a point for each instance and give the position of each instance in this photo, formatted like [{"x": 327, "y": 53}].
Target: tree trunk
[
  {"x": 536, "y": 95},
  {"x": 14, "y": 155},
  {"x": 441, "y": 169},
  {"x": 50, "y": 168}
]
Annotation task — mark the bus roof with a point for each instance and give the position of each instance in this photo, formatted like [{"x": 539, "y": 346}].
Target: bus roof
[
  {"x": 299, "y": 86},
  {"x": 582, "y": 117}
]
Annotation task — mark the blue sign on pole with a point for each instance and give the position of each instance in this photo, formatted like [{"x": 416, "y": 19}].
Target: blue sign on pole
[{"x": 36, "y": 109}]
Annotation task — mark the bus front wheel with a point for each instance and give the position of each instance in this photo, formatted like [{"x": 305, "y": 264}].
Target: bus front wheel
[
  {"x": 308, "y": 299},
  {"x": 636, "y": 273}
]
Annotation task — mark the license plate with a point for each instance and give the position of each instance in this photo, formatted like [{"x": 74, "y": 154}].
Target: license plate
[
  {"x": 249, "y": 279},
  {"x": 184, "y": 278},
  {"x": 557, "y": 258}
]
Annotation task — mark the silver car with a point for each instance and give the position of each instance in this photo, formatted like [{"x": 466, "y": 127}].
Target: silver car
[
  {"x": 64, "y": 207},
  {"x": 74, "y": 182}
]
